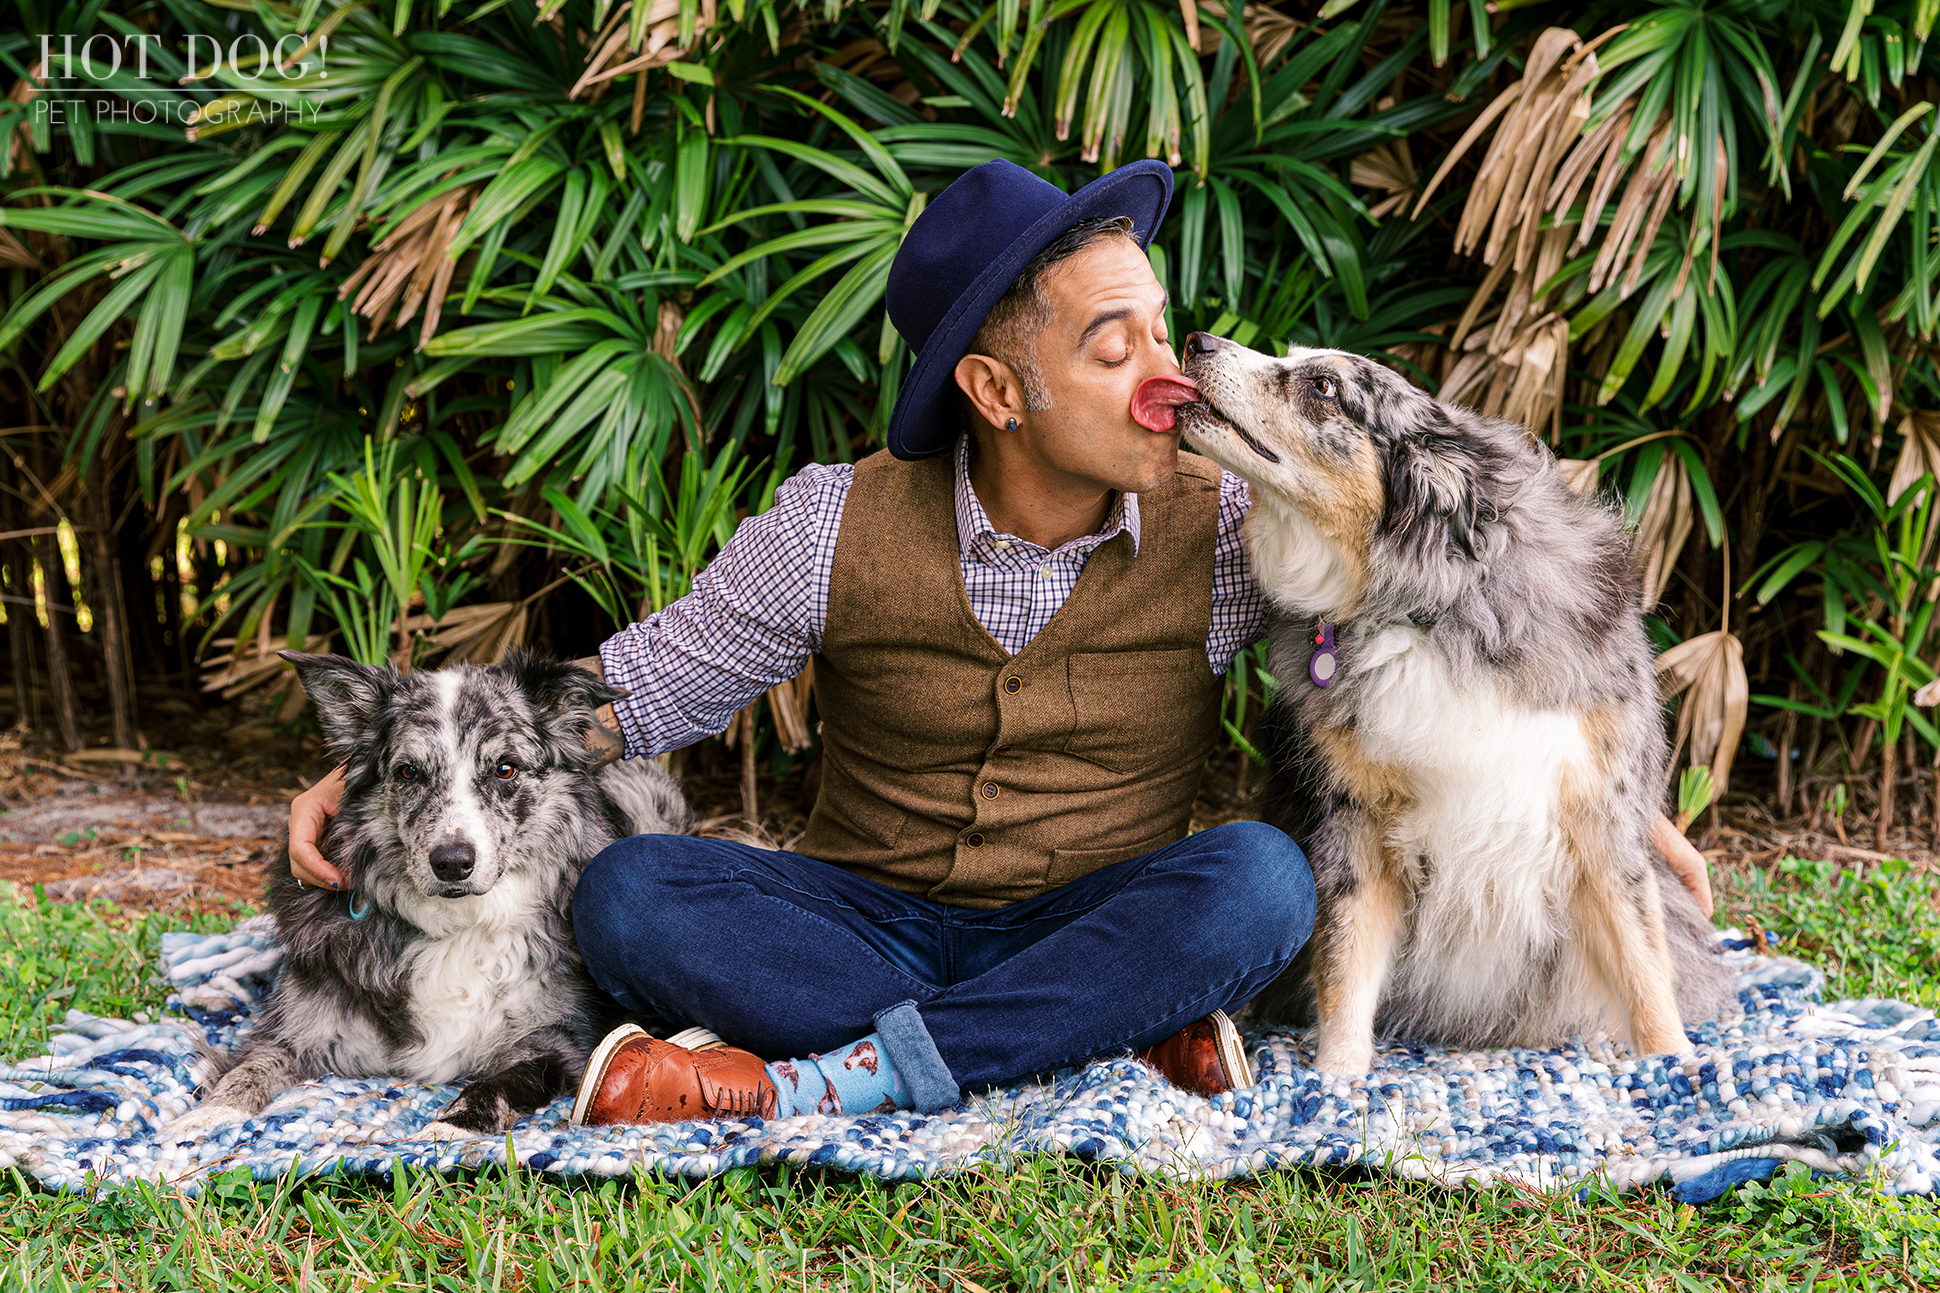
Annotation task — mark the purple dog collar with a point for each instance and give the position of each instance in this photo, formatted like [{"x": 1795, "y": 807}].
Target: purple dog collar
[{"x": 1325, "y": 665}]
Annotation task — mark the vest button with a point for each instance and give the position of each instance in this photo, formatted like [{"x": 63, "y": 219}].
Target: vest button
[
  {"x": 1012, "y": 684},
  {"x": 974, "y": 839},
  {"x": 989, "y": 790}
]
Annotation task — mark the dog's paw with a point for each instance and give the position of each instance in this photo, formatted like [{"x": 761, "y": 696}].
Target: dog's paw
[
  {"x": 204, "y": 1118},
  {"x": 1345, "y": 1060},
  {"x": 441, "y": 1130}
]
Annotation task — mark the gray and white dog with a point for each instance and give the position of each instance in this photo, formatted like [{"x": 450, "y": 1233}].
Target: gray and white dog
[
  {"x": 469, "y": 812},
  {"x": 1469, "y": 737}
]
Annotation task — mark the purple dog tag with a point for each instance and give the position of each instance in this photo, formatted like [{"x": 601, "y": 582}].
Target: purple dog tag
[{"x": 1326, "y": 659}]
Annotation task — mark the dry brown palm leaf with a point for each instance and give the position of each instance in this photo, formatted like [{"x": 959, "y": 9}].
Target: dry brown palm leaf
[
  {"x": 666, "y": 333},
  {"x": 1708, "y": 671},
  {"x": 1542, "y": 115},
  {"x": 1645, "y": 202},
  {"x": 871, "y": 60},
  {"x": 20, "y": 140},
  {"x": 407, "y": 268},
  {"x": 1423, "y": 362},
  {"x": 789, "y": 703},
  {"x": 1919, "y": 434},
  {"x": 1267, "y": 30},
  {"x": 480, "y": 634},
  {"x": 1919, "y": 456},
  {"x": 1537, "y": 363},
  {"x": 1580, "y": 474},
  {"x": 624, "y": 46},
  {"x": 1390, "y": 168},
  {"x": 243, "y": 667},
  {"x": 15, "y": 254},
  {"x": 1664, "y": 526}
]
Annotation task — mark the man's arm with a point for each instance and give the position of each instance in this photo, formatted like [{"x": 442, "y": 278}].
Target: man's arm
[{"x": 1685, "y": 860}]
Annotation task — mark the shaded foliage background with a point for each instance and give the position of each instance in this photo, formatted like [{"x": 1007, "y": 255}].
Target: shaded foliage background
[{"x": 412, "y": 329}]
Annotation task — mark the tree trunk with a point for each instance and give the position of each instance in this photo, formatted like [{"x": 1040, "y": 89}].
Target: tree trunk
[
  {"x": 1910, "y": 756},
  {"x": 20, "y": 612},
  {"x": 174, "y": 630},
  {"x": 67, "y": 717},
  {"x": 750, "y": 806},
  {"x": 143, "y": 601},
  {"x": 1787, "y": 729},
  {"x": 110, "y": 620},
  {"x": 1888, "y": 757}
]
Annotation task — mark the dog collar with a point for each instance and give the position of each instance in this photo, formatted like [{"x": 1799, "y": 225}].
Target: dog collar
[
  {"x": 1325, "y": 664},
  {"x": 357, "y": 913}
]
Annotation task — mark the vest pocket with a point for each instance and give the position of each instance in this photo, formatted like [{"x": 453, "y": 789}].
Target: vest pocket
[
  {"x": 1075, "y": 864},
  {"x": 847, "y": 805},
  {"x": 1136, "y": 709}
]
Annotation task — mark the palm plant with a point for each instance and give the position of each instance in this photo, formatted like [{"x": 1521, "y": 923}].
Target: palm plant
[{"x": 433, "y": 328}]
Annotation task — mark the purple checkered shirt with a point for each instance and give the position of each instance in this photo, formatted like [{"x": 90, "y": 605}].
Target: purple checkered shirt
[{"x": 756, "y": 613}]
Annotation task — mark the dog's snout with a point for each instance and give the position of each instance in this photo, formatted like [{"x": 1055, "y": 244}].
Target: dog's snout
[
  {"x": 453, "y": 860},
  {"x": 1202, "y": 343}
]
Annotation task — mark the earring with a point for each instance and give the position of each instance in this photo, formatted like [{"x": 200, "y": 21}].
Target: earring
[{"x": 1011, "y": 425}]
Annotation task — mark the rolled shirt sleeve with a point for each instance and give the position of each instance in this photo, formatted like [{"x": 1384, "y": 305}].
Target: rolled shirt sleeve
[
  {"x": 1239, "y": 616},
  {"x": 753, "y": 619}
]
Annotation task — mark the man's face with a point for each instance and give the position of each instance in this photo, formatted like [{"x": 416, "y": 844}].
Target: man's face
[{"x": 1105, "y": 336}]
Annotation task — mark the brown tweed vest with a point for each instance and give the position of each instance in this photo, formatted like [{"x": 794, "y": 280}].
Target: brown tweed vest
[{"x": 954, "y": 770}]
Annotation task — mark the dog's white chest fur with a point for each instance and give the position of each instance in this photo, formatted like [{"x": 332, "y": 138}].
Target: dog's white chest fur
[
  {"x": 477, "y": 976},
  {"x": 1485, "y": 772},
  {"x": 1482, "y": 843},
  {"x": 478, "y": 979}
]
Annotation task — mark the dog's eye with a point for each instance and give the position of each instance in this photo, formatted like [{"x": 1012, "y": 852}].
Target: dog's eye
[
  {"x": 407, "y": 772},
  {"x": 505, "y": 771},
  {"x": 1324, "y": 387}
]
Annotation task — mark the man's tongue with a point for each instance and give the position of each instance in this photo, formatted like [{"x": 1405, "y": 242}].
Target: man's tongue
[{"x": 1156, "y": 400}]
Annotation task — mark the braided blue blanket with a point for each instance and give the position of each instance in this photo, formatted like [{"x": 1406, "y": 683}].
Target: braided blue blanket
[{"x": 1850, "y": 1087}]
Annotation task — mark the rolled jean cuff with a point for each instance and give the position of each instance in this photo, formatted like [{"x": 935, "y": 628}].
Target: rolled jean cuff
[{"x": 907, "y": 1039}]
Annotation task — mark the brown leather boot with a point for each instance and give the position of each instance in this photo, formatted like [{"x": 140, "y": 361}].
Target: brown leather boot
[
  {"x": 1205, "y": 1058},
  {"x": 633, "y": 1077}
]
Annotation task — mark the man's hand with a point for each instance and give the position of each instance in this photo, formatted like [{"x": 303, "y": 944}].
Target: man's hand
[
  {"x": 308, "y": 813},
  {"x": 1685, "y": 860},
  {"x": 604, "y": 738}
]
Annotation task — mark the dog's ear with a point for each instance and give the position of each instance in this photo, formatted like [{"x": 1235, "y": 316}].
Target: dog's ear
[
  {"x": 348, "y": 696},
  {"x": 1434, "y": 488},
  {"x": 564, "y": 696}
]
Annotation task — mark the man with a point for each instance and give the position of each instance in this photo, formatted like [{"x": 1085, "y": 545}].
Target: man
[{"x": 1020, "y": 616}]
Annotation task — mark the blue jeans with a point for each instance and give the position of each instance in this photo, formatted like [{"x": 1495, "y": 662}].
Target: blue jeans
[{"x": 787, "y": 956}]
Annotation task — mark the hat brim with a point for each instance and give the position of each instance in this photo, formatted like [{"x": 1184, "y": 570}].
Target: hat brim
[{"x": 925, "y": 422}]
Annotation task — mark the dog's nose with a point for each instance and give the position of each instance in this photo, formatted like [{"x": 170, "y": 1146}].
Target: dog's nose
[
  {"x": 453, "y": 860},
  {"x": 1201, "y": 343}
]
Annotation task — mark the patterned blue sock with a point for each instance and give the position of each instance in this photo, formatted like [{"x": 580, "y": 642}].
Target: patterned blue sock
[{"x": 854, "y": 1079}]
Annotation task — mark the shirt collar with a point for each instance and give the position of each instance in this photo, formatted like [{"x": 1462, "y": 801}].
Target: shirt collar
[{"x": 973, "y": 522}]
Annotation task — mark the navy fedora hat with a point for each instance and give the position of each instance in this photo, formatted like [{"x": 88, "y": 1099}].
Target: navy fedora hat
[{"x": 961, "y": 255}]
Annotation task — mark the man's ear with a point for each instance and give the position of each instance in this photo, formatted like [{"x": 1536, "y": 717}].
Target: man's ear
[
  {"x": 348, "y": 696},
  {"x": 564, "y": 697},
  {"x": 992, "y": 389}
]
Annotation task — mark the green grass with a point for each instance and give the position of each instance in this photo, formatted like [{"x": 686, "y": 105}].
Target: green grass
[
  {"x": 1056, "y": 1224},
  {"x": 1875, "y": 935},
  {"x": 86, "y": 957}
]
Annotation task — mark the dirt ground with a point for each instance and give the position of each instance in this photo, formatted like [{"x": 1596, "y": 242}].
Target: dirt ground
[{"x": 201, "y": 830}]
